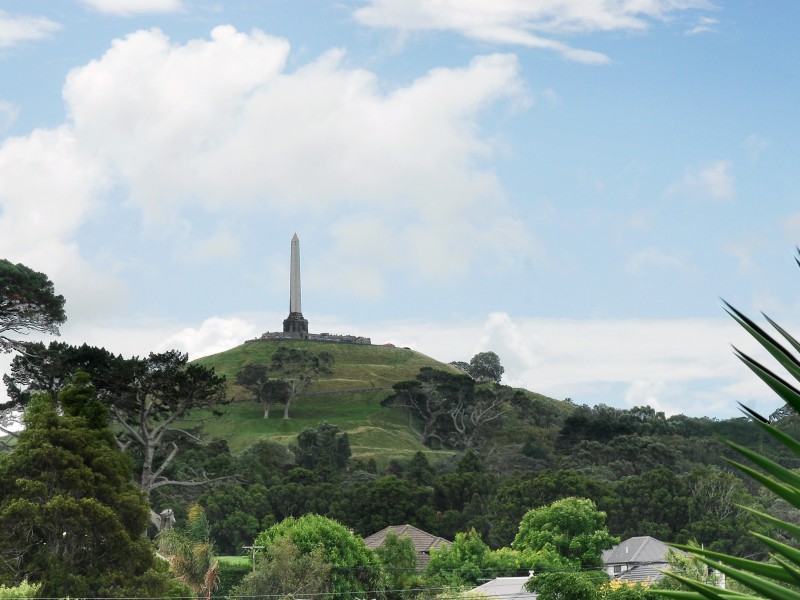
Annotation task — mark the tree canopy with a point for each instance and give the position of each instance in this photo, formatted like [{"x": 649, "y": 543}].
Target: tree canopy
[
  {"x": 147, "y": 397},
  {"x": 28, "y": 302},
  {"x": 255, "y": 379},
  {"x": 70, "y": 517},
  {"x": 355, "y": 569},
  {"x": 298, "y": 369},
  {"x": 572, "y": 529},
  {"x": 483, "y": 367}
]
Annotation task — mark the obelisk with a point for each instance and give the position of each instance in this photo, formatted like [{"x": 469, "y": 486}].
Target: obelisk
[{"x": 295, "y": 323}]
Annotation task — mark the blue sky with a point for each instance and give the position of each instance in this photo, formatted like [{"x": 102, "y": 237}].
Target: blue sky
[{"x": 571, "y": 183}]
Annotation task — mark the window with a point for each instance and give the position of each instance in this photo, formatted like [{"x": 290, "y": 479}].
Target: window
[{"x": 617, "y": 568}]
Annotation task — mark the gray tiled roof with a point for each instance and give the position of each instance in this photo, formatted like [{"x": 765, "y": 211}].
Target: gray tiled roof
[
  {"x": 637, "y": 550},
  {"x": 643, "y": 573},
  {"x": 505, "y": 588}
]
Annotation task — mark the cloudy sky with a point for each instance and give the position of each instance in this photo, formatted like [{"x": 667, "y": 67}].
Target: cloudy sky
[{"x": 573, "y": 184}]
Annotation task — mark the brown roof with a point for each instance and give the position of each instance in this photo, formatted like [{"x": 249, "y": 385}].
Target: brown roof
[{"x": 423, "y": 541}]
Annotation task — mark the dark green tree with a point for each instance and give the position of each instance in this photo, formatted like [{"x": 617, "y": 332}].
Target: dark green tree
[
  {"x": 485, "y": 366},
  {"x": 654, "y": 503},
  {"x": 255, "y": 379},
  {"x": 70, "y": 518},
  {"x": 158, "y": 394},
  {"x": 28, "y": 302},
  {"x": 431, "y": 400},
  {"x": 298, "y": 369},
  {"x": 517, "y": 495},
  {"x": 323, "y": 446},
  {"x": 149, "y": 398},
  {"x": 41, "y": 368},
  {"x": 372, "y": 505},
  {"x": 236, "y": 514}
]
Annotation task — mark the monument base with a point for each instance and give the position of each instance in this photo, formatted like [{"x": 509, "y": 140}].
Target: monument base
[{"x": 296, "y": 326}]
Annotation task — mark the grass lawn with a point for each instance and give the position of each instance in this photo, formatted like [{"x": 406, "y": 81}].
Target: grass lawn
[{"x": 375, "y": 431}]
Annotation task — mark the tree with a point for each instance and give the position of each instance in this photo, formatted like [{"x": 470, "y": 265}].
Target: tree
[
  {"x": 160, "y": 391},
  {"x": 18, "y": 592},
  {"x": 190, "y": 553},
  {"x": 28, "y": 302},
  {"x": 41, "y": 368},
  {"x": 567, "y": 585},
  {"x": 255, "y": 379},
  {"x": 399, "y": 559},
  {"x": 322, "y": 446},
  {"x": 284, "y": 571},
  {"x": 472, "y": 413},
  {"x": 298, "y": 369},
  {"x": 149, "y": 398},
  {"x": 468, "y": 560},
  {"x": 355, "y": 569},
  {"x": 70, "y": 518},
  {"x": 449, "y": 407},
  {"x": 369, "y": 506},
  {"x": 485, "y": 366},
  {"x": 518, "y": 495},
  {"x": 571, "y": 528}
]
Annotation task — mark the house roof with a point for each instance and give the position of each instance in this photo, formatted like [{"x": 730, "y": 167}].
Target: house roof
[
  {"x": 637, "y": 550},
  {"x": 422, "y": 540},
  {"x": 505, "y": 588},
  {"x": 642, "y": 573}
]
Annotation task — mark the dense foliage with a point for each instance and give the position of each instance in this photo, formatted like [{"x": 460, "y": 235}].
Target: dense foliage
[
  {"x": 28, "y": 302},
  {"x": 353, "y": 569},
  {"x": 70, "y": 517}
]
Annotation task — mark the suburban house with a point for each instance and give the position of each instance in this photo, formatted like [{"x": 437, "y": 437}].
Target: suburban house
[
  {"x": 637, "y": 559},
  {"x": 505, "y": 588},
  {"x": 423, "y": 541}
]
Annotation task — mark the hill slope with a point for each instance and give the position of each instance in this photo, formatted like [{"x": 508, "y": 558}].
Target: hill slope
[{"x": 375, "y": 431}]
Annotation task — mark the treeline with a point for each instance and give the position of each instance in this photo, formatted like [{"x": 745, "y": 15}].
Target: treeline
[{"x": 652, "y": 475}]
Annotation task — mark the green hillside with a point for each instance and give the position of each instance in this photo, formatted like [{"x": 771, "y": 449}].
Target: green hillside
[{"x": 350, "y": 397}]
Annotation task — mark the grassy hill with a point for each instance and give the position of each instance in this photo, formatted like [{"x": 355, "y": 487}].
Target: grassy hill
[{"x": 375, "y": 431}]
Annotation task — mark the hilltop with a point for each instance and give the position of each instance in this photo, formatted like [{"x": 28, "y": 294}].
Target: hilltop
[{"x": 350, "y": 397}]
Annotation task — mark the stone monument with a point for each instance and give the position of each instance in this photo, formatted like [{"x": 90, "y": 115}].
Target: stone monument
[
  {"x": 295, "y": 324},
  {"x": 295, "y": 327}
]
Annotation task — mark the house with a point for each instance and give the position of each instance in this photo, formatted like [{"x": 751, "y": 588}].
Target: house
[
  {"x": 637, "y": 559},
  {"x": 504, "y": 588},
  {"x": 423, "y": 541}
]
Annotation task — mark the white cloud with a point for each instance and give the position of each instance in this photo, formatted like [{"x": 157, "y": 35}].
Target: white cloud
[
  {"x": 648, "y": 258},
  {"x": 675, "y": 365},
  {"x": 48, "y": 186},
  {"x": 215, "y": 334},
  {"x": 127, "y": 8},
  {"x": 703, "y": 25},
  {"x": 17, "y": 29},
  {"x": 755, "y": 145},
  {"x": 519, "y": 22},
  {"x": 222, "y": 245},
  {"x": 175, "y": 122},
  {"x": 8, "y": 115},
  {"x": 713, "y": 181}
]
